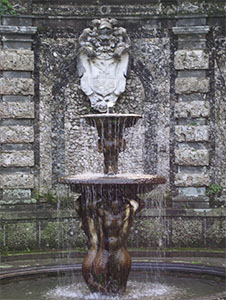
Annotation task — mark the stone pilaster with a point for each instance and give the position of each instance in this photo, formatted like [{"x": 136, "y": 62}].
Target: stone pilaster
[
  {"x": 191, "y": 113},
  {"x": 16, "y": 109}
]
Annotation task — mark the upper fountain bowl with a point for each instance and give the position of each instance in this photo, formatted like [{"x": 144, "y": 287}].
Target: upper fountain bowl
[
  {"x": 120, "y": 120},
  {"x": 111, "y": 129}
]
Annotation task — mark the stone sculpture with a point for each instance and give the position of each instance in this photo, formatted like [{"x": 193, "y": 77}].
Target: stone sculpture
[{"x": 103, "y": 62}]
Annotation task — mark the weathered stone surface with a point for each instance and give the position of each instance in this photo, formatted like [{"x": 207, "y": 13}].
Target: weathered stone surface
[
  {"x": 192, "y": 157},
  {"x": 190, "y": 133},
  {"x": 127, "y": 8},
  {"x": 17, "y": 180},
  {"x": 187, "y": 233},
  {"x": 17, "y": 29},
  {"x": 16, "y": 134},
  {"x": 220, "y": 113},
  {"x": 193, "y": 109},
  {"x": 20, "y": 110},
  {"x": 21, "y": 158},
  {"x": 215, "y": 233},
  {"x": 190, "y": 30},
  {"x": 191, "y": 60},
  {"x": 16, "y": 86},
  {"x": 190, "y": 85},
  {"x": 190, "y": 202},
  {"x": 16, "y": 194},
  {"x": 185, "y": 179},
  {"x": 192, "y": 191},
  {"x": 17, "y": 60}
]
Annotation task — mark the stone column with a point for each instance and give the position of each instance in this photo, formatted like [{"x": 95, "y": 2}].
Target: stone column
[
  {"x": 191, "y": 113},
  {"x": 16, "y": 110}
]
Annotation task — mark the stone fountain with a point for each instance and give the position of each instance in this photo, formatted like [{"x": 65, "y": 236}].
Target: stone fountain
[{"x": 108, "y": 202}]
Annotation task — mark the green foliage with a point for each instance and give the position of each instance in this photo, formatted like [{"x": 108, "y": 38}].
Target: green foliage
[
  {"x": 6, "y": 8},
  {"x": 214, "y": 189},
  {"x": 22, "y": 236},
  {"x": 4, "y": 250},
  {"x": 49, "y": 197}
]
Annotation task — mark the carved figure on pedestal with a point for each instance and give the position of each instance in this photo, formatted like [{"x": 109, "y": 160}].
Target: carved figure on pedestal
[
  {"x": 103, "y": 62},
  {"x": 107, "y": 264}
]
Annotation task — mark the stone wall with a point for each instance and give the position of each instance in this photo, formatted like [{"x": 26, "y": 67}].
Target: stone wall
[
  {"x": 17, "y": 162},
  {"x": 176, "y": 81}
]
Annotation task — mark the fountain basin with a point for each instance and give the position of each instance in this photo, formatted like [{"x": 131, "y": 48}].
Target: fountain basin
[
  {"x": 125, "y": 120},
  {"x": 139, "y": 183},
  {"x": 148, "y": 281}
]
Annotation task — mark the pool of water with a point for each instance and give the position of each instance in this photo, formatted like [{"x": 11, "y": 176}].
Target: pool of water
[{"x": 141, "y": 286}]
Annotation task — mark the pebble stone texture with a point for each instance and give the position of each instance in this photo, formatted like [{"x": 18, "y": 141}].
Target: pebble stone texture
[{"x": 176, "y": 80}]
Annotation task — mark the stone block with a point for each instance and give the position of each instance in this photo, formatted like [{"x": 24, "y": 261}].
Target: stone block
[
  {"x": 192, "y": 191},
  {"x": 21, "y": 20},
  {"x": 182, "y": 201},
  {"x": 187, "y": 179},
  {"x": 16, "y": 86},
  {"x": 18, "y": 180},
  {"x": 21, "y": 158},
  {"x": 190, "y": 85},
  {"x": 18, "y": 110},
  {"x": 193, "y": 20},
  {"x": 191, "y": 30},
  {"x": 16, "y": 74},
  {"x": 17, "y": 60},
  {"x": 28, "y": 30},
  {"x": 197, "y": 43},
  {"x": 191, "y": 60},
  {"x": 16, "y": 134},
  {"x": 190, "y": 133},
  {"x": 188, "y": 157},
  {"x": 17, "y": 44},
  {"x": 16, "y": 194},
  {"x": 193, "y": 109}
]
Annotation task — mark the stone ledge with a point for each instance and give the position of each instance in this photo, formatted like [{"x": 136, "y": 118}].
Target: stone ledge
[
  {"x": 17, "y": 180},
  {"x": 192, "y": 157},
  {"x": 16, "y": 134},
  {"x": 193, "y": 109},
  {"x": 191, "y": 60},
  {"x": 16, "y": 86},
  {"x": 18, "y": 110},
  {"x": 190, "y": 85},
  {"x": 21, "y": 158},
  {"x": 181, "y": 201},
  {"x": 184, "y": 179},
  {"x": 182, "y": 30},
  {"x": 189, "y": 133},
  {"x": 17, "y": 60}
]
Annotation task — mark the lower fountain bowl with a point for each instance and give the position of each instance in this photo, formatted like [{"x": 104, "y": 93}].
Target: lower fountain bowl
[
  {"x": 139, "y": 182},
  {"x": 148, "y": 281}
]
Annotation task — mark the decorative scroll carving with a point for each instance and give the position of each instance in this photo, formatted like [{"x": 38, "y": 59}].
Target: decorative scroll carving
[{"x": 103, "y": 62}]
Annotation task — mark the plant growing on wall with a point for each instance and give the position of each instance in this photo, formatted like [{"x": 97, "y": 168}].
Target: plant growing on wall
[{"x": 6, "y": 8}]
